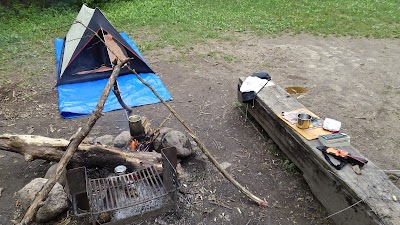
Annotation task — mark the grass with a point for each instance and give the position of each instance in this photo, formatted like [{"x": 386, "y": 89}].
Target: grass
[
  {"x": 27, "y": 32},
  {"x": 289, "y": 166}
]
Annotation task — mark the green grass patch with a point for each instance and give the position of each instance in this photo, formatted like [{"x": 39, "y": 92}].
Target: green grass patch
[
  {"x": 27, "y": 32},
  {"x": 290, "y": 167}
]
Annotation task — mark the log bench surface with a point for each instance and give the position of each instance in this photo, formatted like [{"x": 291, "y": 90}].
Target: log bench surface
[{"x": 353, "y": 199}]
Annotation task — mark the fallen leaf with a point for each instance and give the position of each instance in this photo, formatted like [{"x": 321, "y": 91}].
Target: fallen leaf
[{"x": 225, "y": 165}]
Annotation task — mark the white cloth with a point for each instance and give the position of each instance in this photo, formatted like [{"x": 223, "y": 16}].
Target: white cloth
[{"x": 254, "y": 84}]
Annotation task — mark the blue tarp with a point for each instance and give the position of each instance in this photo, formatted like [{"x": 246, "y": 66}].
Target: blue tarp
[{"x": 80, "y": 99}]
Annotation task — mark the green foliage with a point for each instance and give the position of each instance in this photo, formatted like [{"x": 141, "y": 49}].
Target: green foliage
[
  {"x": 290, "y": 167},
  {"x": 53, "y": 3},
  {"x": 236, "y": 104},
  {"x": 28, "y": 27}
]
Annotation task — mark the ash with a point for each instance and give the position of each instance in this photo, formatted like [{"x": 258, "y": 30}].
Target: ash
[{"x": 142, "y": 191}]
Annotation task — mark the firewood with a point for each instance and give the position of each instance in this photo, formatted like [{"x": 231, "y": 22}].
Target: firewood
[{"x": 39, "y": 147}]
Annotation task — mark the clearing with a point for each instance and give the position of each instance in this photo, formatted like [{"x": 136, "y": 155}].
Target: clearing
[{"x": 354, "y": 80}]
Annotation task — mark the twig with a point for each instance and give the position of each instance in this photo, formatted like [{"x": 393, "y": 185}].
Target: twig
[
  {"x": 159, "y": 127},
  {"x": 72, "y": 147},
  {"x": 252, "y": 124},
  {"x": 165, "y": 120},
  {"x": 216, "y": 144},
  {"x": 344, "y": 209},
  {"x": 356, "y": 117},
  {"x": 390, "y": 171}
]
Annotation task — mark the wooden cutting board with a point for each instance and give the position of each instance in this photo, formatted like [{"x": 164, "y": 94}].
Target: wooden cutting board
[{"x": 310, "y": 133}]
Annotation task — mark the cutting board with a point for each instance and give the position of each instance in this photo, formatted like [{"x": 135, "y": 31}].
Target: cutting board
[{"x": 310, "y": 133}]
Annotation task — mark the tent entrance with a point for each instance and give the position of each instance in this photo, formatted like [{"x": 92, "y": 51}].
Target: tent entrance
[
  {"x": 95, "y": 57},
  {"x": 114, "y": 49}
]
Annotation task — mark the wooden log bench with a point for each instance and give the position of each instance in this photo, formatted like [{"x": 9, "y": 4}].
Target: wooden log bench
[{"x": 369, "y": 198}]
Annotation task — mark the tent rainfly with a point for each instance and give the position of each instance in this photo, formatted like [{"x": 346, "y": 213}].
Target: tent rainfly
[{"x": 86, "y": 58}]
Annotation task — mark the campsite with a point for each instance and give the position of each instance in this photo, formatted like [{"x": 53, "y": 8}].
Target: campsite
[{"x": 353, "y": 79}]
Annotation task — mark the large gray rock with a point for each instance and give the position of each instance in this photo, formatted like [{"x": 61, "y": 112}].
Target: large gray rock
[
  {"x": 123, "y": 139},
  {"x": 88, "y": 140},
  {"x": 105, "y": 140},
  {"x": 178, "y": 140},
  {"x": 157, "y": 141},
  {"x": 52, "y": 170},
  {"x": 56, "y": 203}
]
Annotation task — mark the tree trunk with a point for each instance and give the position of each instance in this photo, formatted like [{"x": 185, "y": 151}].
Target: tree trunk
[{"x": 39, "y": 147}]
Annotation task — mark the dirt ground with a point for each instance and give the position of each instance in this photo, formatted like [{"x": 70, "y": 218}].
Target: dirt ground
[{"x": 353, "y": 80}]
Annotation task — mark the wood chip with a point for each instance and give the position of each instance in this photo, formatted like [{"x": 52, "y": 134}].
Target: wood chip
[{"x": 30, "y": 131}]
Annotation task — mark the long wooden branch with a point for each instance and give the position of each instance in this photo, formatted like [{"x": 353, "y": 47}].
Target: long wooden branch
[
  {"x": 39, "y": 147},
  {"x": 72, "y": 146},
  {"x": 117, "y": 93},
  {"x": 203, "y": 148}
]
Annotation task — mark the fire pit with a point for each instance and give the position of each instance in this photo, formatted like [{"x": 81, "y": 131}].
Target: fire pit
[{"x": 128, "y": 197}]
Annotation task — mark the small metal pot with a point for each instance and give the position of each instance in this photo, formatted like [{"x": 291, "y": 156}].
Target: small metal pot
[
  {"x": 135, "y": 126},
  {"x": 304, "y": 120}
]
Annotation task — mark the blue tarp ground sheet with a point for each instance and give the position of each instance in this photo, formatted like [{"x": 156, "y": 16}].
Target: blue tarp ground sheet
[{"x": 80, "y": 99}]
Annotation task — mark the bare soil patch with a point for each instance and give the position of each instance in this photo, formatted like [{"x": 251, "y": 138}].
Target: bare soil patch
[{"x": 352, "y": 80}]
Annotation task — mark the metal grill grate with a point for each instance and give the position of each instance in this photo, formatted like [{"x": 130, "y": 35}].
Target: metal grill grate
[
  {"x": 143, "y": 192},
  {"x": 133, "y": 189}
]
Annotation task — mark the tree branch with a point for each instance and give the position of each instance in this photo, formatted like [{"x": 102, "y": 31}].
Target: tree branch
[{"x": 117, "y": 93}]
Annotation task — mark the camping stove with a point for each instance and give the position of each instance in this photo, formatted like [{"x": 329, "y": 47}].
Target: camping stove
[{"x": 128, "y": 197}]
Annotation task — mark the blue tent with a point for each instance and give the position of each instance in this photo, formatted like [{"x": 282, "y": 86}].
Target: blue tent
[{"x": 84, "y": 64}]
